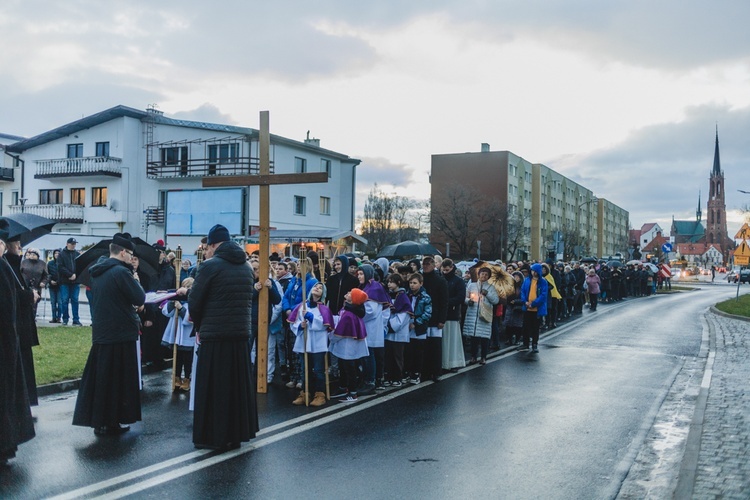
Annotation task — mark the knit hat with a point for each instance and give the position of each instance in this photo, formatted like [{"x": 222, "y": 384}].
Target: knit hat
[
  {"x": 358, "y": 297},
  {"x": 124, "y": 240},
  {"x": 217, "y": 234}
]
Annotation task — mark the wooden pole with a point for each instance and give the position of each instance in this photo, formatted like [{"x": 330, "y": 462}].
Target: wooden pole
[
  {"x": 303, "y": 273},
  {"x": 265, "y": 244},
  {"x": 177, "y": 265}
]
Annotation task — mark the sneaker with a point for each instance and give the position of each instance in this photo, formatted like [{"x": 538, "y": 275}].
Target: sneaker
[
  {"x": 299, "y": 385},
  {"x": 387, "y": 383},
  {"x": 349, "y": 398},
  {"x": 368, "y": 388},
  {"x": 397, "y": 383},
  {"x": 535, "y": 349},
  {"x": 77, "y": 323},
  {"x": 414, "y": 380},
  {"x": 291, "y": 384}
]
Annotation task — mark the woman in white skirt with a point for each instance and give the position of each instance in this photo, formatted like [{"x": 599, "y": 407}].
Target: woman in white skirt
[{"x": 453, "y": 345}]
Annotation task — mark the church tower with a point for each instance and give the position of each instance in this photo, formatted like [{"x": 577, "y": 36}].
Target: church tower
[{"x": 716, "y": 229}]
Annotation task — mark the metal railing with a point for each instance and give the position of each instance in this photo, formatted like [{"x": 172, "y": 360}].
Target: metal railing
[
  {"x": 204, "y": 167},
  {"x": 59, "y": 212},
  {"x": 89, "y": 165}
]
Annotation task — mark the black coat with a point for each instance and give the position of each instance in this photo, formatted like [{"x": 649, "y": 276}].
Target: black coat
[
  {"x": 221, "y": 298},
  {"x": 66, "y": 266},
  {"x": 339, "y": 285},
  {"x": 113, "y": 316},
  {"x": 166, "y": 279},
  {"x": 456, "y": 295},
  {"x": 437, "y": 288}
]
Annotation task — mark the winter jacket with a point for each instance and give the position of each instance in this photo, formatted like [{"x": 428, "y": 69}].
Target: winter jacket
[
  {"x": 53, "y": 274},
  {"x": 293, "y": 295},
  {"x": 474, "y": 324},
  {"x": 437, "y": 288},
  {"x": 117, "y": 293},
  {"x": 541, "y": 292},
  {"x": 456, "y": 295},
  {"x": 593, "y": 283},
  {"x": 66, "y": 266},
  {"x": 421, "y": 304},
  {"x": 221, "y": 297},
  {"x": 34, "y": 272},
  {"x": 339, "y": 285}
]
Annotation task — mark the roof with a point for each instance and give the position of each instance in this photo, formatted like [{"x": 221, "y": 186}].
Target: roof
[
  {"x": 657, "y": 242},
  {"x": 697, "y": 248},
  {"x": 691, "y": 228},
  {"x": 125, "y": 111},
  {"x": 9, "y": 138},
  {"x": 647, "y": 227}
]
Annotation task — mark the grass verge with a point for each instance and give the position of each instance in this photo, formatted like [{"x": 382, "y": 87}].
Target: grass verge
[
  {"x": 739, "y": 307},
  {"x": 61, "y": 353}
]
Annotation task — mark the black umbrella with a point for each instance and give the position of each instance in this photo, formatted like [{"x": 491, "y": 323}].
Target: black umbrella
[
  {"x": 589, "y": 260},
  {"x": 147, "y": 255},
  {"x": 408, "y": 248},
  {"x": 614, "y": 263},
  {"x": 28, "y": 226}
]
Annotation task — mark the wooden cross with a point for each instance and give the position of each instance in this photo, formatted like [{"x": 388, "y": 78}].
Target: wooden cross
[{"x": 264, "y": 181}]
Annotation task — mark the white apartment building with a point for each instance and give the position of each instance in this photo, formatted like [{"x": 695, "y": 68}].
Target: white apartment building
[{"x": 128, "y": 170}]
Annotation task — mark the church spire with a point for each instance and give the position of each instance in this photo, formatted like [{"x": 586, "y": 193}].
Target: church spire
[
  {"x": 698, "y": 213},
  {"x": 717, "y": 161}
]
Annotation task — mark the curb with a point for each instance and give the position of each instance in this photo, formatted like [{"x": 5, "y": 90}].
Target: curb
[
  {"x": 58, "y": 387},
  {"x": 727, "y": 315}
]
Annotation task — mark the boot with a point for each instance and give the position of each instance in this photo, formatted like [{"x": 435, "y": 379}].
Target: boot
[
  {"x": 300, "y": 399},
  {"x": 319, "y": 399},
  {"x": 185, "y": 385}
]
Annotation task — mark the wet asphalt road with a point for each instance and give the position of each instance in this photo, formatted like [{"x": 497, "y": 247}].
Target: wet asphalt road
[{"x": 565, "y": 423}]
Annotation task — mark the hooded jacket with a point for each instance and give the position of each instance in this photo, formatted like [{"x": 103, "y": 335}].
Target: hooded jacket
[
  {"x": 117, "y": 293},
  {"x": 541, "y": 291},
  {"x": 339, "y": 284},
  {"x": 221, "y": 298}
]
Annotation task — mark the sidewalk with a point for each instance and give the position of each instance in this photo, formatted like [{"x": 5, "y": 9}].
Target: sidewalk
[{"x": 723, "y": 468}]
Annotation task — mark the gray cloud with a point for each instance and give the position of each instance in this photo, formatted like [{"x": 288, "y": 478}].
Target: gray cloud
[{"x": 658, "y": 171}]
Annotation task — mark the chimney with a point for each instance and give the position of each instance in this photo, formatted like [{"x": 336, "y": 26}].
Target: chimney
[
  {"x": 485, "y": 147},
  {"x": 312, "y": 142}
]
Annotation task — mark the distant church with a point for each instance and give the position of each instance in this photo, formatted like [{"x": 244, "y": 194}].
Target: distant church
[{"x": 715, "y": 232}]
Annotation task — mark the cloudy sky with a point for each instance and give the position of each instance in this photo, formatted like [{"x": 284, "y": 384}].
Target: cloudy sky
[{"x": 623, "y": 97}]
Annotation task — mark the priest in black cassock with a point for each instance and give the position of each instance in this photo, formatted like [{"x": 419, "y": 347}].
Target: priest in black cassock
[
  {"x": 109, "y": 392},
  {"x": 16, "y": 424}
]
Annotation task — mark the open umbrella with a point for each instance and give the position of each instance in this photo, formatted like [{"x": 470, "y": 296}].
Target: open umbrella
[
  {"x": 147, "y": 255},
  {"x": 614, "y": 263},
  {"x": 408, "y": 248},
  {"x": 589, "y": 260},
  {"x": 501, "y": 280},
  {"x": 28, "y": 226},
  {"x": 634, "y": 263}
]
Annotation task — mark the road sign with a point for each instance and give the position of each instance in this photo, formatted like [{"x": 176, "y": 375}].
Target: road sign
[
  {"x": 742, "y": 251},
  {"x": 741, "y": 261},
  {"x": 666, "y": 247},
  {"x": 743, "y": 233}
]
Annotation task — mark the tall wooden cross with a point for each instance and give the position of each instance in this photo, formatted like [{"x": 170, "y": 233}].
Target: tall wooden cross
[{"x": 264, "y": 181}]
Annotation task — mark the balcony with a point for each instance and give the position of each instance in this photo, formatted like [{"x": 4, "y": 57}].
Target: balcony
[
  {"x": 58, "y": 212},
  {"x": 79, "y": 167},
  {"x": 6, "y": 174},
  {"x": 203, "y": 167}
]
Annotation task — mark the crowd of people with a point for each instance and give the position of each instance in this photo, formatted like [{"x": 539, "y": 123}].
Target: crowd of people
[{"x": 349, "y": 326}]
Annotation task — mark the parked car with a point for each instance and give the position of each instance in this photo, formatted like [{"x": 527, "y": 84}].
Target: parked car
[{"x": 736, "y": 274}]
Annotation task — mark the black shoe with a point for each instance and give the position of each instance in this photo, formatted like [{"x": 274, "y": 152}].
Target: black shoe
[
  {"x": 77, "y": 323},
  {"x": 522, "y": 348},
  {"x": 111, "y": 430},
  {"x": 535, "y": 349}
]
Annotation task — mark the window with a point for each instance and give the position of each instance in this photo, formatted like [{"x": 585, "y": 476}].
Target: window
[
  {"x": 102, "y": 149},
  {"x": 325, "y": 205},
  {"x": 14, "y": 198},
  {"x": 50, "y": 196},
  {"x": 300, "y": 165},
  {"x": 299, "y": 205},
  {"x": 325, "y": 166},
  {"x": 99, "y": 197},
  {"x": 223, "y": 153},
  {"x": 78, "y": 196},
  {"x": 75, "y": 150},
  {"x": 176, "y": 156}
]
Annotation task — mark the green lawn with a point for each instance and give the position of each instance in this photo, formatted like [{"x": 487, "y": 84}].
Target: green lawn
[
  {"x": 62, "y": 353},
  {"x": 739, "y": 307}
]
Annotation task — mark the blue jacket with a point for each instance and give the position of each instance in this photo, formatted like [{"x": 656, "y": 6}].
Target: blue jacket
[
  {"x": 293, "y": 294},
  {"x": 422, "y": 311},
  {"x": 541, "y": 291}
]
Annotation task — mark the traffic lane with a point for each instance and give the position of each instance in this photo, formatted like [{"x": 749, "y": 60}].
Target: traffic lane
[
  {"x": 555, "y": 425},
  {"x": 63, "y": 457}
]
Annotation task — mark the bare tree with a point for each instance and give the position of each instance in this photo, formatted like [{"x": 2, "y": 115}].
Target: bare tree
[
  {"x": 384, "y": 218},
  {"x": 515, "y": 234}
]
